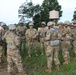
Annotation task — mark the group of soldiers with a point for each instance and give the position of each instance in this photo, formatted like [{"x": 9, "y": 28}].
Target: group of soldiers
[{"x": 51, "y": 40}]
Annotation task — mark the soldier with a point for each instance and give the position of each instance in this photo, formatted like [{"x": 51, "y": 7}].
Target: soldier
[
  {"x": 1, "y": 44},
  {"x": 73, "y": 33},
  {"x": 13, "y": 55},
  {"x": 65, "y": 44},
  {"x": 21, "y": 29},
  {"x": 61, "y": 26},
  {"x": 71, "y": 41},
  {"x": 52, "y": 47},
  {"x": 31, "y": 35},
  {"x": 42, "y": 33},
  {"x": 5, "y": 44},
  {"x": 60, "y": 30}
]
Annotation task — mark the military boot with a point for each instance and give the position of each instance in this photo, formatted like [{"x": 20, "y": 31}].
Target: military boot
[
  {"x": 21, "y": 73},
  {"x": 65, "y": 62},
  {"x": 68, "y": 61},
  {"x": 57, "y": 67},
  {"x": 48, "y": 70},
  {"x": 10, "y": 73}
]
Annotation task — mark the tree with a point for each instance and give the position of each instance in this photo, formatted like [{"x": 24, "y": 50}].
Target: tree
[
  {"x": 40, "y": 13},
  {"x": 47, "y": 6},
  {"x": 29, "y": 10},
  {"x": 74, "y": 15}
]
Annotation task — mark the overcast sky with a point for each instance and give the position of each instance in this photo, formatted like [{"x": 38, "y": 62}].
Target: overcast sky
[{"x": 9, "y": 9}]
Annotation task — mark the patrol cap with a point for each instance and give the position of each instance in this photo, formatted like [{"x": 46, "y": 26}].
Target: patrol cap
[
  {"x": 2, "y": 24},
  {"x": 60, "y": 23},
  {"x": 43, "y": 23},
  {"x": 67, "y": 22},
  {"x": 12, "y": 27},
  {"x": 74, "y": 21},
  {"x": 50, "y": 23},
  {"x": 20, "y": 21},
  {"x": 31, "y": 24}
]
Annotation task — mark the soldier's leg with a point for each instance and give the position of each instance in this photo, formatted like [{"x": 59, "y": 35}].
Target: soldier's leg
[
  {"x": 35, "y": 47},
  {"x": 1, "y": 53},
  {"x": 49, "y": 56},
  {"x": 5, "y": 48},
  {"x": 71, "y": 48},
  {"x": 9, "y": 65},
  {"x": 17, "y": 60},
  {"x": 74, "y": 44},
  {"x": 42, "y": 46},
  {"x": 29, "y": 48},
  {"x": 20, "y": 45},
  {"x": 65, "y": 52},
  {"x": 24, "y": 45},
  {"x": 56, "y": 59}
]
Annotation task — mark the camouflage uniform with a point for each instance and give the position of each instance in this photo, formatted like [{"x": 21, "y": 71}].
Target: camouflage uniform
[
  {"x": 73, "y": 34},
  {"x": 30, "y": 33},
  {"x": 65, "y": 44},
  {"x": 12, "y": 51},
  {"x": 4, "y": 43},
  {"x": 1, "y": 44},
  {"x": 21, "y": 33},
  {"x": 74, "y": 40},
  {"x": 52, "y": 51},
  {"x": 42, "y": 33}
]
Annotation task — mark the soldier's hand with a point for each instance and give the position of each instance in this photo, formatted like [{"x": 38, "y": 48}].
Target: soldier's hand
[
  {"x": 34, "y": 37},
  {"x": 29, "y": 37}
]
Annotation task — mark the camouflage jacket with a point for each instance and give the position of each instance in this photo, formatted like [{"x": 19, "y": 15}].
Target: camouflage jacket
[
  {"x": 31, "y": 33},
  {"x": 42, "y": 32},
  {"x": 12, "y": 40},
  {"x": 21, "y": 30}
]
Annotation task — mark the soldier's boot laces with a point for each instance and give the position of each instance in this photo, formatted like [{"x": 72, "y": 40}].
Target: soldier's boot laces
[
  {"x": 48, "y": 70},
  {"x": 65, "y": 62},
  {"x": 57, "y": 67}
]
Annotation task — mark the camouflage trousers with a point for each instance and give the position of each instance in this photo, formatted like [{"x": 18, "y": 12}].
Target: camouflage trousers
[
  {"x": 65, "y": 52},
  {"x": 13, "y": 56},
  {"x": 52, "y": 53},
  {"x": 32, "y": 44},
  {"x": 1, "y": 51},
  {"x": 74, "y": 46},
  {"x": 22, "y": 44},
  {"x": 42, "y": 43}
]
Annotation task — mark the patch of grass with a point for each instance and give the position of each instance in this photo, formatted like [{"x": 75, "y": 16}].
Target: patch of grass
[{"x": 37, "y": 65}]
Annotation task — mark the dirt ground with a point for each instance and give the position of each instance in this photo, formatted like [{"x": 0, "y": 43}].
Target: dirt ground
[{"x": 3, "y": 69}]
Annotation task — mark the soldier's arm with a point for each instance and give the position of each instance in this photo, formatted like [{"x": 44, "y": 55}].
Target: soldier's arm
[
  {"x": 26, "y": 34},
  {"x": 17, "y": 40},
  {"x": 17, "y": 30},
  {"x": 36, "y": 34},
  {"x": 48, "y": 37},
  {"x": 5, "y": 35}
]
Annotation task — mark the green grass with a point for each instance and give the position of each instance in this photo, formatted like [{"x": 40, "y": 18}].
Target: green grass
[{"x": 37, "y": 65}]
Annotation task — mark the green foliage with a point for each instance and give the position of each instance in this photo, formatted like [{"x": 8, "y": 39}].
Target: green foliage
[
  {"x": 74, "y": 15},
  {"x": 37, "y": 65},
  {"x": 47, "y": 6},
  {"x": 40, "y": 13}
]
